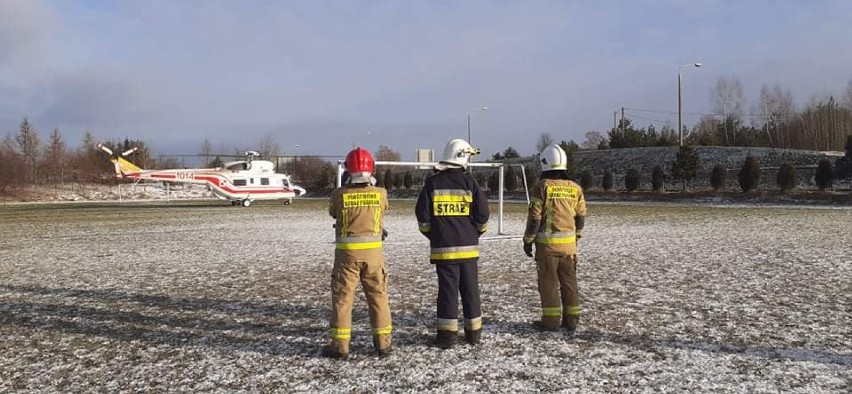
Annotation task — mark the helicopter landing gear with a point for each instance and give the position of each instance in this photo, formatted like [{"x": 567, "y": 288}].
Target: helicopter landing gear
[
  {"x": 288, "y": 201},
  {"x": 246, "y": 203}
]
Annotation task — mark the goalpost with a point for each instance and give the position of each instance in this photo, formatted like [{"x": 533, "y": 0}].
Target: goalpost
[{"x": 427, "y": 165}]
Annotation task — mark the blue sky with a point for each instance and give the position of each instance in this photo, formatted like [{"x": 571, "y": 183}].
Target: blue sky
[{"x": 321, "y": 74}]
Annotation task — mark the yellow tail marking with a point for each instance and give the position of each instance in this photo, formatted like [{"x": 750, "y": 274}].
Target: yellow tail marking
[{"x": 126, "y": 166}]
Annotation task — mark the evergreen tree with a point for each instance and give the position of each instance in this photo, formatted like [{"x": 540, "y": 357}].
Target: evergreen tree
[
  {"x": 606, "y": 182},
  {"x": 510, "y": 153},
  {"x": 380, "y": 179},
  {"x": 388, "y": 179},
  {"x": 397, "y": 181},
  {"x": 325, "y": 177},
  {"x": 408, "y": 180},
  {"x": 511, "y": 181},
  {"x": 632, "y": 179},
  {"x": 494, "y": 181},
  {"x": 717, "y": 177},
  {"x": 481, "y": 178},
  {"x": 824, "y": 176},
  {"x": 586, "y": 179},
  {"x": 658, "y": 178},
  {"x": 786, "y": 178},
  {"x": 749, "y": 175},
  {"x": 685, "y": 166},
  {"x": 532, "y": 175},
  {"x": 843, "y": 165}
]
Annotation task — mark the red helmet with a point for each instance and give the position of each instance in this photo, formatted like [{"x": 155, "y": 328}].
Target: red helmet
[{"x": 360, "y": 164}]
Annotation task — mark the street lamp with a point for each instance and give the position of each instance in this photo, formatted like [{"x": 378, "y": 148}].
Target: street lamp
[
  {"x": 367, "y": 134},
  {"x": 295, "y": 160},
  {"x": 679, "y": 105},
  {"x": 469, "y": 114}
]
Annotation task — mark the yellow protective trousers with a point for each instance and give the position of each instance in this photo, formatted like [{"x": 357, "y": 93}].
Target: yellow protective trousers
[
  {"x": 557, "y": 285},
  {"x": 367, "y": 267}
]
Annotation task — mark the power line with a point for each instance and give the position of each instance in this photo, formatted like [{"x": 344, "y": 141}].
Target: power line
[
  {"x": 651, "y": 119},
  {"x": 657, "y": 111}
]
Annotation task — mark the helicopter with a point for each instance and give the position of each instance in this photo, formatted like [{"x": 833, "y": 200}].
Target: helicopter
[{"x": 240, "y": 182}]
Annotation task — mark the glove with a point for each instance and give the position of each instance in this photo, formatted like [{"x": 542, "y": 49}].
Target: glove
[
  {"x": 384, "y": 234},
  {"x": 528, "y": 249},
  {"x": 579, "y": 236}
]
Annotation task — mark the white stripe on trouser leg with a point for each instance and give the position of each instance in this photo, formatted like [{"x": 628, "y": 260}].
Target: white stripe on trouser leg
[{"x": 473, "y": 324}]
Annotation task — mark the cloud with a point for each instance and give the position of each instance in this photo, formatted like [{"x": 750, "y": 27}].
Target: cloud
[
  {"x": 24, "y": 28},
  {"x": 320, "y": 72}
]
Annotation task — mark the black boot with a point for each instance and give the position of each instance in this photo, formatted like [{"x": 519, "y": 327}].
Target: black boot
[
  {"x": 473, "y": 337},
  {"x": 539, "y": 325},
  {"x": 570, "y": 323},
  {"x": 446, "y": 339},
  {"x": 382, "y": 353}
]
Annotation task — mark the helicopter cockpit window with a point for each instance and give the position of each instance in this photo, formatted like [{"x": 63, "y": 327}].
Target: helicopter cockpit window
[
  {"x": 285, "y": 182},
  {"x": 241, "y": 166}
]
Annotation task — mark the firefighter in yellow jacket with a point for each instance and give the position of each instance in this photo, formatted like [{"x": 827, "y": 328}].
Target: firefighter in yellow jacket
[
  {"x": 359, "y": 208},
  {"x": 555, "y": 223}
]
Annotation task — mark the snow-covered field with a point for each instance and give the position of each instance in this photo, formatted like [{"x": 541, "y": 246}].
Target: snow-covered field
[{"x": 208, "y": 297}]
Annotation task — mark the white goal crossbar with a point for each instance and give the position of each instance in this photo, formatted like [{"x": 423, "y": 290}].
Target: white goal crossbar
[{"x": 500, "y": 166}]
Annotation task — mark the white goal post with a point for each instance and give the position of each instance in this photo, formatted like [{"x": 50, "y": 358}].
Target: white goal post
[{"x": 419, "y": 165}]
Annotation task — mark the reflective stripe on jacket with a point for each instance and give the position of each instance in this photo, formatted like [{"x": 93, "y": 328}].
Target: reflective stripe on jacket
[
  {"x": 557, "y": 207},
  {"x": 452, "y": 211},
  {"x": 359, "y": 213}
]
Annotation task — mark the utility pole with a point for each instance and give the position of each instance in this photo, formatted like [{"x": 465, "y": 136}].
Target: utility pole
[
  {"x": 622, "y": 121},
  {"x": 614, "y": 121}
]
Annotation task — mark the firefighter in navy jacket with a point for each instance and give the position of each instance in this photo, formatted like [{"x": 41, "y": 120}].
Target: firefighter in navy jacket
[{"x": 453, "y": 212}]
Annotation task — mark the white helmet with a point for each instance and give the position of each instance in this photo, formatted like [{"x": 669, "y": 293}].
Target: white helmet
[
  {"x": 553, "y": 158},
  {"x": 456, "y": 154}
]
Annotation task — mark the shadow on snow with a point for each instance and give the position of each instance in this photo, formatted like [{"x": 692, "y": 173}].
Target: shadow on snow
[{"x": 268, "y": 328}]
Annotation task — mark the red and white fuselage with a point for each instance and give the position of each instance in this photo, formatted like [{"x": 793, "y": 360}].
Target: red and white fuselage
[{"x": 240, "y": 182}]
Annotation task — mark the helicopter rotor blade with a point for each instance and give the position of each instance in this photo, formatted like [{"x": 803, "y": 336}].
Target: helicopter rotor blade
[
  {"x": 129, "y": 151},
  {"x": 105, "y": 149}
]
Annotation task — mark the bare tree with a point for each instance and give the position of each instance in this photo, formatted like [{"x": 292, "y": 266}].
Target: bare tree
[
  {"x": 206, "y": 151},
  {"x": 387, "y": 154},
  {"x": 86, "y": 162},
  {"x": 544, "y": 140},
  {"x": 728, "y": 101},
  {"x": 824, "y": 125},
  {"x": 593, "y": 140},
  {"x": 307, "y": 169},
  {"x": 55, "y": 156},
  {"x": 10, "y": 163},
  {"x": 28, "y": 142},
  {"x": 847, "y": 96},
  {"x": 268, "y": 148}
]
